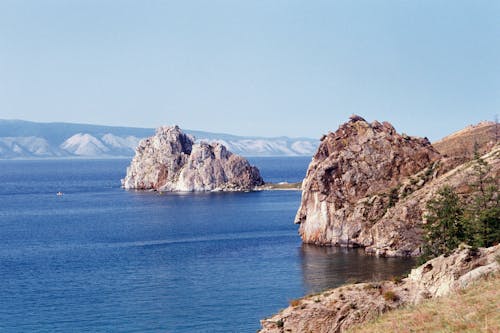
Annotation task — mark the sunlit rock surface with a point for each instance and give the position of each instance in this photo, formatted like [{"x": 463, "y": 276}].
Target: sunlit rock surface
[{"x": 172, "y": 161}]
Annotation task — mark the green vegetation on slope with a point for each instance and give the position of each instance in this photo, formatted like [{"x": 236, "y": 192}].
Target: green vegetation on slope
[{"x": 474, "y": 220}]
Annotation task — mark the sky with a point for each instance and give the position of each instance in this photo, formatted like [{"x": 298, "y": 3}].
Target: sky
[{"x": 259, "y": 67}]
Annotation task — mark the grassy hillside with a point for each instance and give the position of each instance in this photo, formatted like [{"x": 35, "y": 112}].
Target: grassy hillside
[
  {"x": 461, "y": 144},
  {"x": 475, "y": 309}
]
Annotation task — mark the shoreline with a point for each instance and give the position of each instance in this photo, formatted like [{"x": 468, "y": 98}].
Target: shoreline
[{"x": 356, "y": 304}]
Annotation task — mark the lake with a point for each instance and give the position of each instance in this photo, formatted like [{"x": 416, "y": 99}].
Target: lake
[{"x": 103, "y": 259}]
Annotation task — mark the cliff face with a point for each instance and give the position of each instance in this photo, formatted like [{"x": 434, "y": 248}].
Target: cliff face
[
  {"x": 338, "y": 309},
  {"x": 351, "y": 181},
  {"x": 171, "y": 161}
]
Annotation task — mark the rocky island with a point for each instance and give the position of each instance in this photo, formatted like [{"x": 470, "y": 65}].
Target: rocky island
[
  {"x": 171, "y": 161},
  {"x": 367, "y": 186}
]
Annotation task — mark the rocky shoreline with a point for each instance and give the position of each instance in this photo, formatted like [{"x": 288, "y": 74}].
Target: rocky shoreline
[{"x": 338, "y": 309}]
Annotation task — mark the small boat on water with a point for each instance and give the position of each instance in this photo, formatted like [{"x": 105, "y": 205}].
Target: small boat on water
[{"x": 59, "y": 194}]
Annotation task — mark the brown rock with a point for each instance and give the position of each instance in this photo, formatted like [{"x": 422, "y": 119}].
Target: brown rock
[{"x": 348, "y": 183}]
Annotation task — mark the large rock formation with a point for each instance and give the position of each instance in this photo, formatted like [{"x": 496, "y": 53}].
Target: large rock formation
[
  {"x": 368, "y": 186},
  {"x": 338, "y": 309},
  {"x": 171, "y": 161},
  {"x": 353, "y": 179}
]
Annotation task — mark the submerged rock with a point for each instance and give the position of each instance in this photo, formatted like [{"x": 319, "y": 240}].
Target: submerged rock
[
  {"x": 172, "y": 161},
  {"x": 350, "y": 182}
]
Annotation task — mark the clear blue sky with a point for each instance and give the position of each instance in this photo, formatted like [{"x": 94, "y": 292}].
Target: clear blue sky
[{"x": 256, "y": 67}]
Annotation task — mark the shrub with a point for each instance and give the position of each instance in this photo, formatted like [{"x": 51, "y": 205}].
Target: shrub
[
  {"x": 373, "y": 287},
  {"x": 393, "y": 196},
  {"x": 397, "y": 279},
  {"x": 391, "y": 296},
  {"x": 429, "y": 171}
]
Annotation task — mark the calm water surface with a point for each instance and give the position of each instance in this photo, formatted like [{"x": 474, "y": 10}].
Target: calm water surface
[{"x": 102, "y": 259}]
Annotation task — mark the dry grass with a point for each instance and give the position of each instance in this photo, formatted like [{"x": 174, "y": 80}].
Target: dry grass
[
  {"x": 461, "y": 143},
  {"x": 476, "y": 309}
]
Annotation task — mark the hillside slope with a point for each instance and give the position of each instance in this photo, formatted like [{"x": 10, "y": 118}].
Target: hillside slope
[{"x": 461, "y": 144}]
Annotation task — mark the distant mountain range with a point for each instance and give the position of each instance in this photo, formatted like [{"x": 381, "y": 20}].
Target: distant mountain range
[{"x": 25, "y": 139}]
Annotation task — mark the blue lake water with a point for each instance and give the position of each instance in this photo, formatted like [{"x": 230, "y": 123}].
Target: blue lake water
[{"x": 102, "y": 259}]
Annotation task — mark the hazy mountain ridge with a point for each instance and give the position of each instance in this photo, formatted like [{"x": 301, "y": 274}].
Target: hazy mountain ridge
[{"x": 25, "y": 139}]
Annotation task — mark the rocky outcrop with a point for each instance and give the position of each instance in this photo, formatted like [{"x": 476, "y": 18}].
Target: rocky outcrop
[
  {"x": 172, "y": 161},
  {"x": 353, "y": 180},
  {"x": 338, "y": 309}
]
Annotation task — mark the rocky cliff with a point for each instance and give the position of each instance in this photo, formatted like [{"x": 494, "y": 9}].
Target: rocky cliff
[
  {"x": 338, "y": 309},
  {"x": 172, "y": 161},
  {"x": 368, "y": 186},
  {"x": 352, "y": 180}
]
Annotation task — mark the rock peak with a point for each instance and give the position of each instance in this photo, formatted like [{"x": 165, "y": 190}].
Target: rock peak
[{"x": 354, "y": 118}]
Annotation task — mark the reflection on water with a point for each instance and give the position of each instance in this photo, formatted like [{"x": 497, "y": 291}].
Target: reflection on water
[{"x": 330, "y": 267}]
